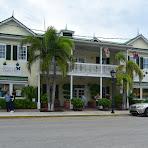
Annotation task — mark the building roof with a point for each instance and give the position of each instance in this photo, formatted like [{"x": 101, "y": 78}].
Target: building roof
[
  {"x": 136, "y": 38},
  {"x": 12, "y": 18}
]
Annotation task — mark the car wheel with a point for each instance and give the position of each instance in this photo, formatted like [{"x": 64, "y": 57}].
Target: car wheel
[
  {"x": 146, "y": 112},
  {"x": 134, "y": 114}
]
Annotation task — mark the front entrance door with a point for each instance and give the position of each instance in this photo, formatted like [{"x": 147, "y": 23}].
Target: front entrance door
[{"x": 79, "y": 92}]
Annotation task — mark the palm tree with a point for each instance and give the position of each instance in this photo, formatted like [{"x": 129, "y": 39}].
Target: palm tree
[
  {"x": 51, "y": 50},
  {"x": 125, "y": 74}
]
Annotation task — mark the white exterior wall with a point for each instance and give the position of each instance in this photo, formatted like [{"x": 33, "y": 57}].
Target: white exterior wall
[
  {"x": 32, "y": 78},
  {"x": 142, "y": 52},
  {"x": 13, "y": 28}
]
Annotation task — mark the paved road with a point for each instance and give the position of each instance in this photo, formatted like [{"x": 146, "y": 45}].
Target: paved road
[{"x": 76, "y": 132}]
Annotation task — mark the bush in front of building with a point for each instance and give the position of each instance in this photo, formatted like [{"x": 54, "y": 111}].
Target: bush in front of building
[
  {"x": 105, "y": 103},
  {"x": 19, "y": 104},
  {"x": 24, "y": 104},
  {"x": 2, "y": 103},
  {"x": 132, "y": 100},
  {"x": 29, "y": 92},
  {"x": 118, "y": 101},
  {"x": 78, "y": 104},
  {"x": 93, "y": 88}
]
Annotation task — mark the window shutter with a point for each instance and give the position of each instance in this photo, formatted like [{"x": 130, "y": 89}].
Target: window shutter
[
  {"x": 97, "y": 60},
  {"x": 137, "y": 61},
  {"x": 107, "y": 60},
  {"x": 141, "y": 62},
  {"x": 28, "y": 53},
  {"x": 8, "y": 52},
  {"x": 107, "y": 90},
  {"x": 44, "y": 88},
  {"x": 14, "y": 52},
  {"x": 128, "y": 58}
]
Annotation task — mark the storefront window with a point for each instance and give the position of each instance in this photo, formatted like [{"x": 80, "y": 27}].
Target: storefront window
[
  {"x": 3, "y": 89},
  {"x": 18, "y": 89},
  {"x": 136, "y": 93},
  {"x": 145, "y": 93}
]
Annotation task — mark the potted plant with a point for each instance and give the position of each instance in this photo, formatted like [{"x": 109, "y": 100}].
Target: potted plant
[
  {"x": 44, "y": 102},
  {"x": 78, "y": 104},
  {"x": 92, "y": 103},
  {"x": 105, "y": 103},
  {"x": 67, "y": 103},
  {"x": 66, "y": 93}
]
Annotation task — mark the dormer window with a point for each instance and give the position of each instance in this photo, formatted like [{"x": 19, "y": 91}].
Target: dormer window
[{"x": 67, "y": 33}]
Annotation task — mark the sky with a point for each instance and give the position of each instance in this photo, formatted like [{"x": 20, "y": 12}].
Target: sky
[{"x": 100, "y": 18}]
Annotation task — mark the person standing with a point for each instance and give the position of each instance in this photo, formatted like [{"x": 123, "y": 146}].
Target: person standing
[
  {"x": 84, "y": 100},
  {"x": 8, "y": 101}
]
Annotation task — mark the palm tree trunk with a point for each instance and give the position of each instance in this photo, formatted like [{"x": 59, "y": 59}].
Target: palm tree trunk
[
  {"x": 48, "y": 90},
  {"x": 124, "y": 98},
  {"x": 53, "y": 85}
]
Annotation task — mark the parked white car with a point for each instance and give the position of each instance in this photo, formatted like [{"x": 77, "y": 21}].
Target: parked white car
[{"x": 139, "y": 109}]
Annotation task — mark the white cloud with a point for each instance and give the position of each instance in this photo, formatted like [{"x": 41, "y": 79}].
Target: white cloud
[{"x": 109, "y": 18}]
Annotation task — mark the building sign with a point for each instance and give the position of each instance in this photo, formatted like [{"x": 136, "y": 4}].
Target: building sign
[{"x": 11, "y": 70}]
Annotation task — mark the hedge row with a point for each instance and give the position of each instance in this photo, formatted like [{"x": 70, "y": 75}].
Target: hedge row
[{"x": 19, "y": 104}]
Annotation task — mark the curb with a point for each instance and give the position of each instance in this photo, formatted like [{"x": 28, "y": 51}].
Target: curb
[{"x": 59, "y": 116}]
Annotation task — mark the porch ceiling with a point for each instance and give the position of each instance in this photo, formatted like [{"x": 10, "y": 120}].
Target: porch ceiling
[{"x": 91, "y": 45}]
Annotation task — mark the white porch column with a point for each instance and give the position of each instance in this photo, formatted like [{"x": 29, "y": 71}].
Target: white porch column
[
  {"x": 71, "y": 90},
  {"x": 38, "y": 103},
  {"x": 101, "y": 72},
  {"x": 100, "y": 87},
  {"x": 141, "y": 93},
  {"x": 127, "y": 102},
  {"x": 10, "y": 88}
]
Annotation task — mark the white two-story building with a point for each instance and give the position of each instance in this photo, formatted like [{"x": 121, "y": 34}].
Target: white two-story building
[
  {"x": 13, "y": 59},
  {"x": 94, "y": 61},
  {"x": 139, "y": 54}
]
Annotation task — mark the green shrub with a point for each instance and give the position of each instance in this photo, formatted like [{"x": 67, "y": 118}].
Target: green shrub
[
  {"x": 29, "y": 92},
  {"x": 106, "y": 103},
  {"x": 19, "y": 104},
  {"x": 66, "y": 91},
  {"x": 145, "y": 101},
  {"x": 2, "y": 103},
  {"x": 44, "y": 98},
  {"x": 131, "y": 99},
  {"x": 118, "y": 101},
  {"x": 77, "y": 103},
  {"x": 93, "y": 89},
  {"x": 137, "y": 101},
  {"x": 24, "y": 104}
]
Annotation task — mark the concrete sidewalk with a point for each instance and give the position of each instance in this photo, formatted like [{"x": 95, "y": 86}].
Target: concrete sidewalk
[{"x": 29, "y": 114}]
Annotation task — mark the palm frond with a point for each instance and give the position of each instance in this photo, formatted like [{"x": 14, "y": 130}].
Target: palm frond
[{"x": 120, "y": 57}]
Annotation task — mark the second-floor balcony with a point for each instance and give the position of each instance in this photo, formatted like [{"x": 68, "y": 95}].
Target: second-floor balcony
[{"x": 93, "y": 70}]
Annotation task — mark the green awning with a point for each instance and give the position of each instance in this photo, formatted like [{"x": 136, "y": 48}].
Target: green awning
[{"x": 14, "y": 78}]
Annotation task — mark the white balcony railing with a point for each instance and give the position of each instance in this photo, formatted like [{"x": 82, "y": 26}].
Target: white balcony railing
[{"x": 88, "y": 69}]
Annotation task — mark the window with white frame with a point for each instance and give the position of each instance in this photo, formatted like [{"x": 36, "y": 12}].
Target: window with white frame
[
  {"x": 2, "y": 51},
  {"x": 80, "y": 59},
  {"x": 22, "y": 53},
  {"x": 132, "y": 59},
  {"x": 145, "y": 62}
]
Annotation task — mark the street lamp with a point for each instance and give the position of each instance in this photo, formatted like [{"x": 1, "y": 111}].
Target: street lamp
[{"x": 113, "y": 73}]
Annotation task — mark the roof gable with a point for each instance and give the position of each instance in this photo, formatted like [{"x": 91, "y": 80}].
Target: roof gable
[
  {"x": 138, "y": 42},
  {"x": 131, "y": 41},
  {"x": 13, "y": 26}
]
